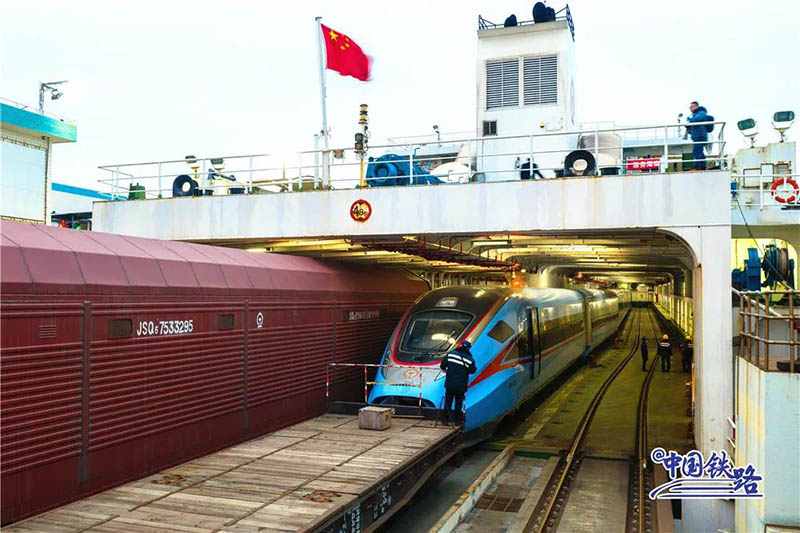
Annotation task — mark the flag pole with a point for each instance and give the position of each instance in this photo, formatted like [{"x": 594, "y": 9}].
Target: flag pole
[{"x": 323, "y": 95}]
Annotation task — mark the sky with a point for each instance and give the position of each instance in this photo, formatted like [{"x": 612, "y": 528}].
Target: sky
[{"x": 155, "y": 80}]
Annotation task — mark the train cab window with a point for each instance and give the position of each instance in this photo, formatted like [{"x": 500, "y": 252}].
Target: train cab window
[
  {"x": 522, "y": 348},
  {"x": 501, "y": 332},
  {"x": 432, "y": 333}
]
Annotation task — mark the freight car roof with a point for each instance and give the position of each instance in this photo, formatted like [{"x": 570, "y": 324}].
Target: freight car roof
[{"x": 45, "y": 259}]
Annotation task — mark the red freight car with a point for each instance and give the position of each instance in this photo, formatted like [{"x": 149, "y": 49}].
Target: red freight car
[{"x": 122, "y": 356}]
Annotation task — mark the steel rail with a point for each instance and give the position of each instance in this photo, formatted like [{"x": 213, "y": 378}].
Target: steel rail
[
  {"x": 637, "y": 507},
  {"x": 548, "y": 520}
]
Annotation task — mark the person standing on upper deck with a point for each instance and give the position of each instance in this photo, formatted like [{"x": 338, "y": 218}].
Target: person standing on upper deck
[
  {"x": 457, "y": 365},
  {"x": 699, "y": 134}
]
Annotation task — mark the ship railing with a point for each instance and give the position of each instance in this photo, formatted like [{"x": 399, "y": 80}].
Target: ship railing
[
  {"x": 755, "y": 190},
  {"x": 444, "y": 137},
  {"x": 414, "y": 377},
  {"x": 34, "y": 109},
  {"x": 484, "y": 24},
  {"x": 479, "y": 159},
  {"x": 770, "y": 338}
]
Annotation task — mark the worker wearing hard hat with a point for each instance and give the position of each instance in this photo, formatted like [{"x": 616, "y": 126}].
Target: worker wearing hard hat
[
  {"x": 688, "y": 353},
  {"x": 665, "y": 352}
]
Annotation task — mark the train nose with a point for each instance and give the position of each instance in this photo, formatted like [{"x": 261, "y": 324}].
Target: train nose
[{"x": 420, "y": 384}]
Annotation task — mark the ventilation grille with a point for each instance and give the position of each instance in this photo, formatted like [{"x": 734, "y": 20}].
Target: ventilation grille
[
  {"x": 47, "y": 331},
  {"x": 502, "y": 83},
  {"x": 540, "y": 80}
]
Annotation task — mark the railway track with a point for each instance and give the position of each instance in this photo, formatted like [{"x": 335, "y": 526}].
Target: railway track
[
  {"x": 548, "y": 512},
  {"x": 561, "y": 500},
  {"x": 641, "y": 511}
]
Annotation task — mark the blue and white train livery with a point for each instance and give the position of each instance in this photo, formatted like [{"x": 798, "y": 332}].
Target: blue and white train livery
[{"x": 521, "y": 340}]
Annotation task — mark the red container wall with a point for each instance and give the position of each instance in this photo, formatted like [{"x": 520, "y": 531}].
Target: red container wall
[{"x": 87, "y": 405}]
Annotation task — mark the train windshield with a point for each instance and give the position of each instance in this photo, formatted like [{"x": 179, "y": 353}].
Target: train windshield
[{"x": 431, "y": 334}]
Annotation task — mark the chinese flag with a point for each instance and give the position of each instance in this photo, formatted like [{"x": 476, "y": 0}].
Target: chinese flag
[{"x": 344, "y": 55}]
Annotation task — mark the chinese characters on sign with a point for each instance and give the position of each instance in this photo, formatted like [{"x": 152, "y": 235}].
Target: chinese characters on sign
[
  {"x": 643, "y": 164},
  {"x": 693, "y": 476}
]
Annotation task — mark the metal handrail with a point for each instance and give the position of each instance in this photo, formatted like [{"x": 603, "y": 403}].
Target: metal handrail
[
  {"x": 325, "y": 171},
  {"x": 763, "y": 192},
  {"x": 751, "y": 324},
  {"x": 484, "y": 24},
  {"x": 34, "y": 109},
  {"x": 434, "y": 142},
  {"x": 367, "y": 382}
]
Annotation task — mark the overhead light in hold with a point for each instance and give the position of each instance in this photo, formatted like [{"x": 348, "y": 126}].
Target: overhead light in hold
[
  {"x": 256, "y": 250},
  {"x": 491, "y": 242},
  {"x": 748, "y": 129},
  {"x": 782, "y": 121}
]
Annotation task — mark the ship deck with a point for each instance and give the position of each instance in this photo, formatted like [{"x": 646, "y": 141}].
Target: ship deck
[{"x": 321, "y": 474}]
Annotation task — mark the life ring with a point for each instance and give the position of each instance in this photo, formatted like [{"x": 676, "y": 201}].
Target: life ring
[{"x": 784, "y": 199}]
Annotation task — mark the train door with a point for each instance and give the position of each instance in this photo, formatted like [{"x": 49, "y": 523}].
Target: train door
[
  {"x": 587, "y": 320},
  {"x": 539, "y": 341},
  {"x": 534, "y": 346}
]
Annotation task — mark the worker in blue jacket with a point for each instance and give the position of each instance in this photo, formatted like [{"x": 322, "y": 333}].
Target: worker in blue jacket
[
  {"x": 643, "y": 348},
  {"x": 457, "y": 365},
  {"x": 699, "y": 134}
]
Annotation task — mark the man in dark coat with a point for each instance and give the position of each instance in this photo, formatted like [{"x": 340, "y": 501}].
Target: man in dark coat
[
  {"x": 527, "y": 170},
  {"x": 688, "y": 352},
  {"x": 643, "y": 348},
  {"x": 699, "y": 135},
  {"x": 665, "y": 351},
  {"x": 457, "y": 365}
]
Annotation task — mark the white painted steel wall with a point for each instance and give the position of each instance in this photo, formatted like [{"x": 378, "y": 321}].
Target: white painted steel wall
[
  {"x": 768, "y": 436},
  {"x": 516, "y": 42},
  {"x": 684, "y": 200}
]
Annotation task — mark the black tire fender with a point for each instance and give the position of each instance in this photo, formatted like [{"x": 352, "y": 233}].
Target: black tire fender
[{"x": 180, "y": 182}]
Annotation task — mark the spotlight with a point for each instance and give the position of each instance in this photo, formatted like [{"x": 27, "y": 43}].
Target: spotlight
[
  {"x": 748, "y": 129},
  {"x": 782, "y": 121},
  {"x": 55, "y": 94},
  {"x": 218, "y": 163}
]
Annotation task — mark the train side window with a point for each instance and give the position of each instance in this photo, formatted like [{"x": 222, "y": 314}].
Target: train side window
[
  {"x": 120, "y": 328},
  {"x": 225, "y": 322},
  {"x": 501, "y": 332}
]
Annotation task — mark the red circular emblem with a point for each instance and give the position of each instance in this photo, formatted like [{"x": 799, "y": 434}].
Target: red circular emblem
[
  {"x": 411, "y": 373},
  {"x": 360, "y": 211}
]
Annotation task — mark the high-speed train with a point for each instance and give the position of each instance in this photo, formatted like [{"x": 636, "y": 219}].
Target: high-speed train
[{"x": 521, "y": 340}]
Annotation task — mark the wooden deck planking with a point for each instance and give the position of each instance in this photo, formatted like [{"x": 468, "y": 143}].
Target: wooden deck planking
[{"x": 288, "y": 480}]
